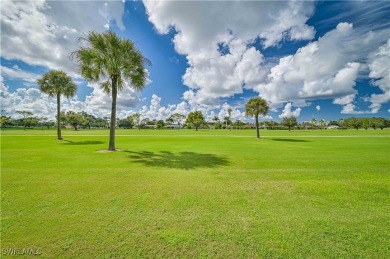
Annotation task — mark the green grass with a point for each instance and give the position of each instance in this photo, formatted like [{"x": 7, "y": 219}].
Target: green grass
[{"x": 214, "y": 194}]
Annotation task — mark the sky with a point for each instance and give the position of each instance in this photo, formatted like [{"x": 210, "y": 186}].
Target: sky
[{"x": 309, "y": 59}]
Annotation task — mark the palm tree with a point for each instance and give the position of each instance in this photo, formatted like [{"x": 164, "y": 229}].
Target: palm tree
[
  {"x": 57, "y": 83},
  {"x": 313, "y": 123},
  {"x": 254, "y": 107},
  {"x": 111, "y": 61},
  {"x": 322, "y": 124},
  {"x": 230, "y": 121},
  {"x": 216, "y": 119}
]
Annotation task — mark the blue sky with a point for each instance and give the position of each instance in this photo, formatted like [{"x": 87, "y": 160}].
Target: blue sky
[{"x": 324, "y": 60}]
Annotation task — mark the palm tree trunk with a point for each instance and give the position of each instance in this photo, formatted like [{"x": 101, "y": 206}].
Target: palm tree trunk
[
  {"x": 257, "y": 126},
  {"x": 59, "y": 137},
  {"x": 111, "y": 145}
]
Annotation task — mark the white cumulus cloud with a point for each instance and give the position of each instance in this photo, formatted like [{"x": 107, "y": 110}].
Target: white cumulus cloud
[
  {"x": 324, "y": 69},
  {"x": 202, "y": 28},
  {"x": 288, "y": 112},
  {"x": 45, "y": 32},
  {"x": 380, "y": 71}
]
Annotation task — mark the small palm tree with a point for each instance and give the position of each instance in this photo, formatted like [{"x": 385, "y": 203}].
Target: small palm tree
[
  {"x": 313, "y": 123},
  {"x": 111, "y": 61},
  {"x": 230, "y": 121},
  {"x": 322, "y": 124},
  {"x": 254, "y": 107},
  {"x": 57, "y": 83},
  {"x": 216, "y": 119}
]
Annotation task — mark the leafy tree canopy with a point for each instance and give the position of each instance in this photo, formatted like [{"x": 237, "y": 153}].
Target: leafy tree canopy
[{"x": 196, "y": 119}]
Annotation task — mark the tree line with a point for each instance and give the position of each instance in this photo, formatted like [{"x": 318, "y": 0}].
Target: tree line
[{"x": 194, "y": 120}]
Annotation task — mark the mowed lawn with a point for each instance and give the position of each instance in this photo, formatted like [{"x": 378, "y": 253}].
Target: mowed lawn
[{"x": 210, "y": 194}]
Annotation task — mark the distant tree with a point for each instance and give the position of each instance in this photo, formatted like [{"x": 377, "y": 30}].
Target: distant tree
[
  {"x": 289, "y": 122},
  {"x": 386, "y": 123},
  {"x": 216, "y": 120},
  {"x": 342, "y": 123},
  {"x": 4, "y": 120},
  {"x": 49, "y": 124},
  {"x": 143, "y": 122},
  {"x": 111, "y": 61},
  {"x": 42, "y": 121},
  {"x": 227, "y": 121},
  {"x": 56, "y": 83},
  {"x": 238, "y": 124},
  {"x": 313, "y": 123},
  {"x": 151, "y": 122},
  {"x": 271, "y": 124},
  {"x": 136, "y": 118},
  {"x": 125, "y": 123},
  {"x": 322, "y": 124},
  {"x": 31, "y": 121},
  {"x": 373, "y": 123},
  {"x": 75, "y": 119},
  {"x": 380, "y": 123},
  {"x": 170, "y": 120},
  {"x": 354, "y": 122},
  {"x": 254, "y": 107},
  {"x": 365, "y": 122},
  {"x": 131, "y": 121},
  {"x": 89, "y": 119},
  {"x": 196, "y": 119},
  {"x": 177, "y": 118},
  {"x": 26, "y": 115},
  {"x": 160, "y": 124},
  {"x": 229, "y": 118},
  {"x": 101, "y": 122},
  {"x": 306, "y": 125}
]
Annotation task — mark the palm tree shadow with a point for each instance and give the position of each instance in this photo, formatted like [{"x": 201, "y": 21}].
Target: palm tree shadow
[
  {"x": 289, "y": 140},
  {"x": 69, "y": 142},
  {"x": 182, "y": 160}
]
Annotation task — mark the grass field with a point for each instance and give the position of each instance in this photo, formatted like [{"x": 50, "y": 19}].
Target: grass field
[{"x": 211, "y": 194}]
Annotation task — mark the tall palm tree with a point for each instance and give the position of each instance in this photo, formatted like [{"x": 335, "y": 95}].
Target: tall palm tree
[
  {"x": 111, "y": 61},
  {"x": 254, "y": 107},
  {"x": 57, "y": 83}
]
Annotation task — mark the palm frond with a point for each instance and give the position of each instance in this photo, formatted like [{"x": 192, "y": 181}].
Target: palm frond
[
  {"x": 106, "y": 86},
  {"x": 57, "y": 82},
  {"x": 103, "y": 57},
  {"x": 256, "y": 106}
]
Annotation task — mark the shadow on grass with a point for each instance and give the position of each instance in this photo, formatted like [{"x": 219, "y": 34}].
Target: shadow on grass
[
  {"x": 289, "y": 140},
  {"x": 182, "y": 160},
  {"x": 69, "y": 142}
]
